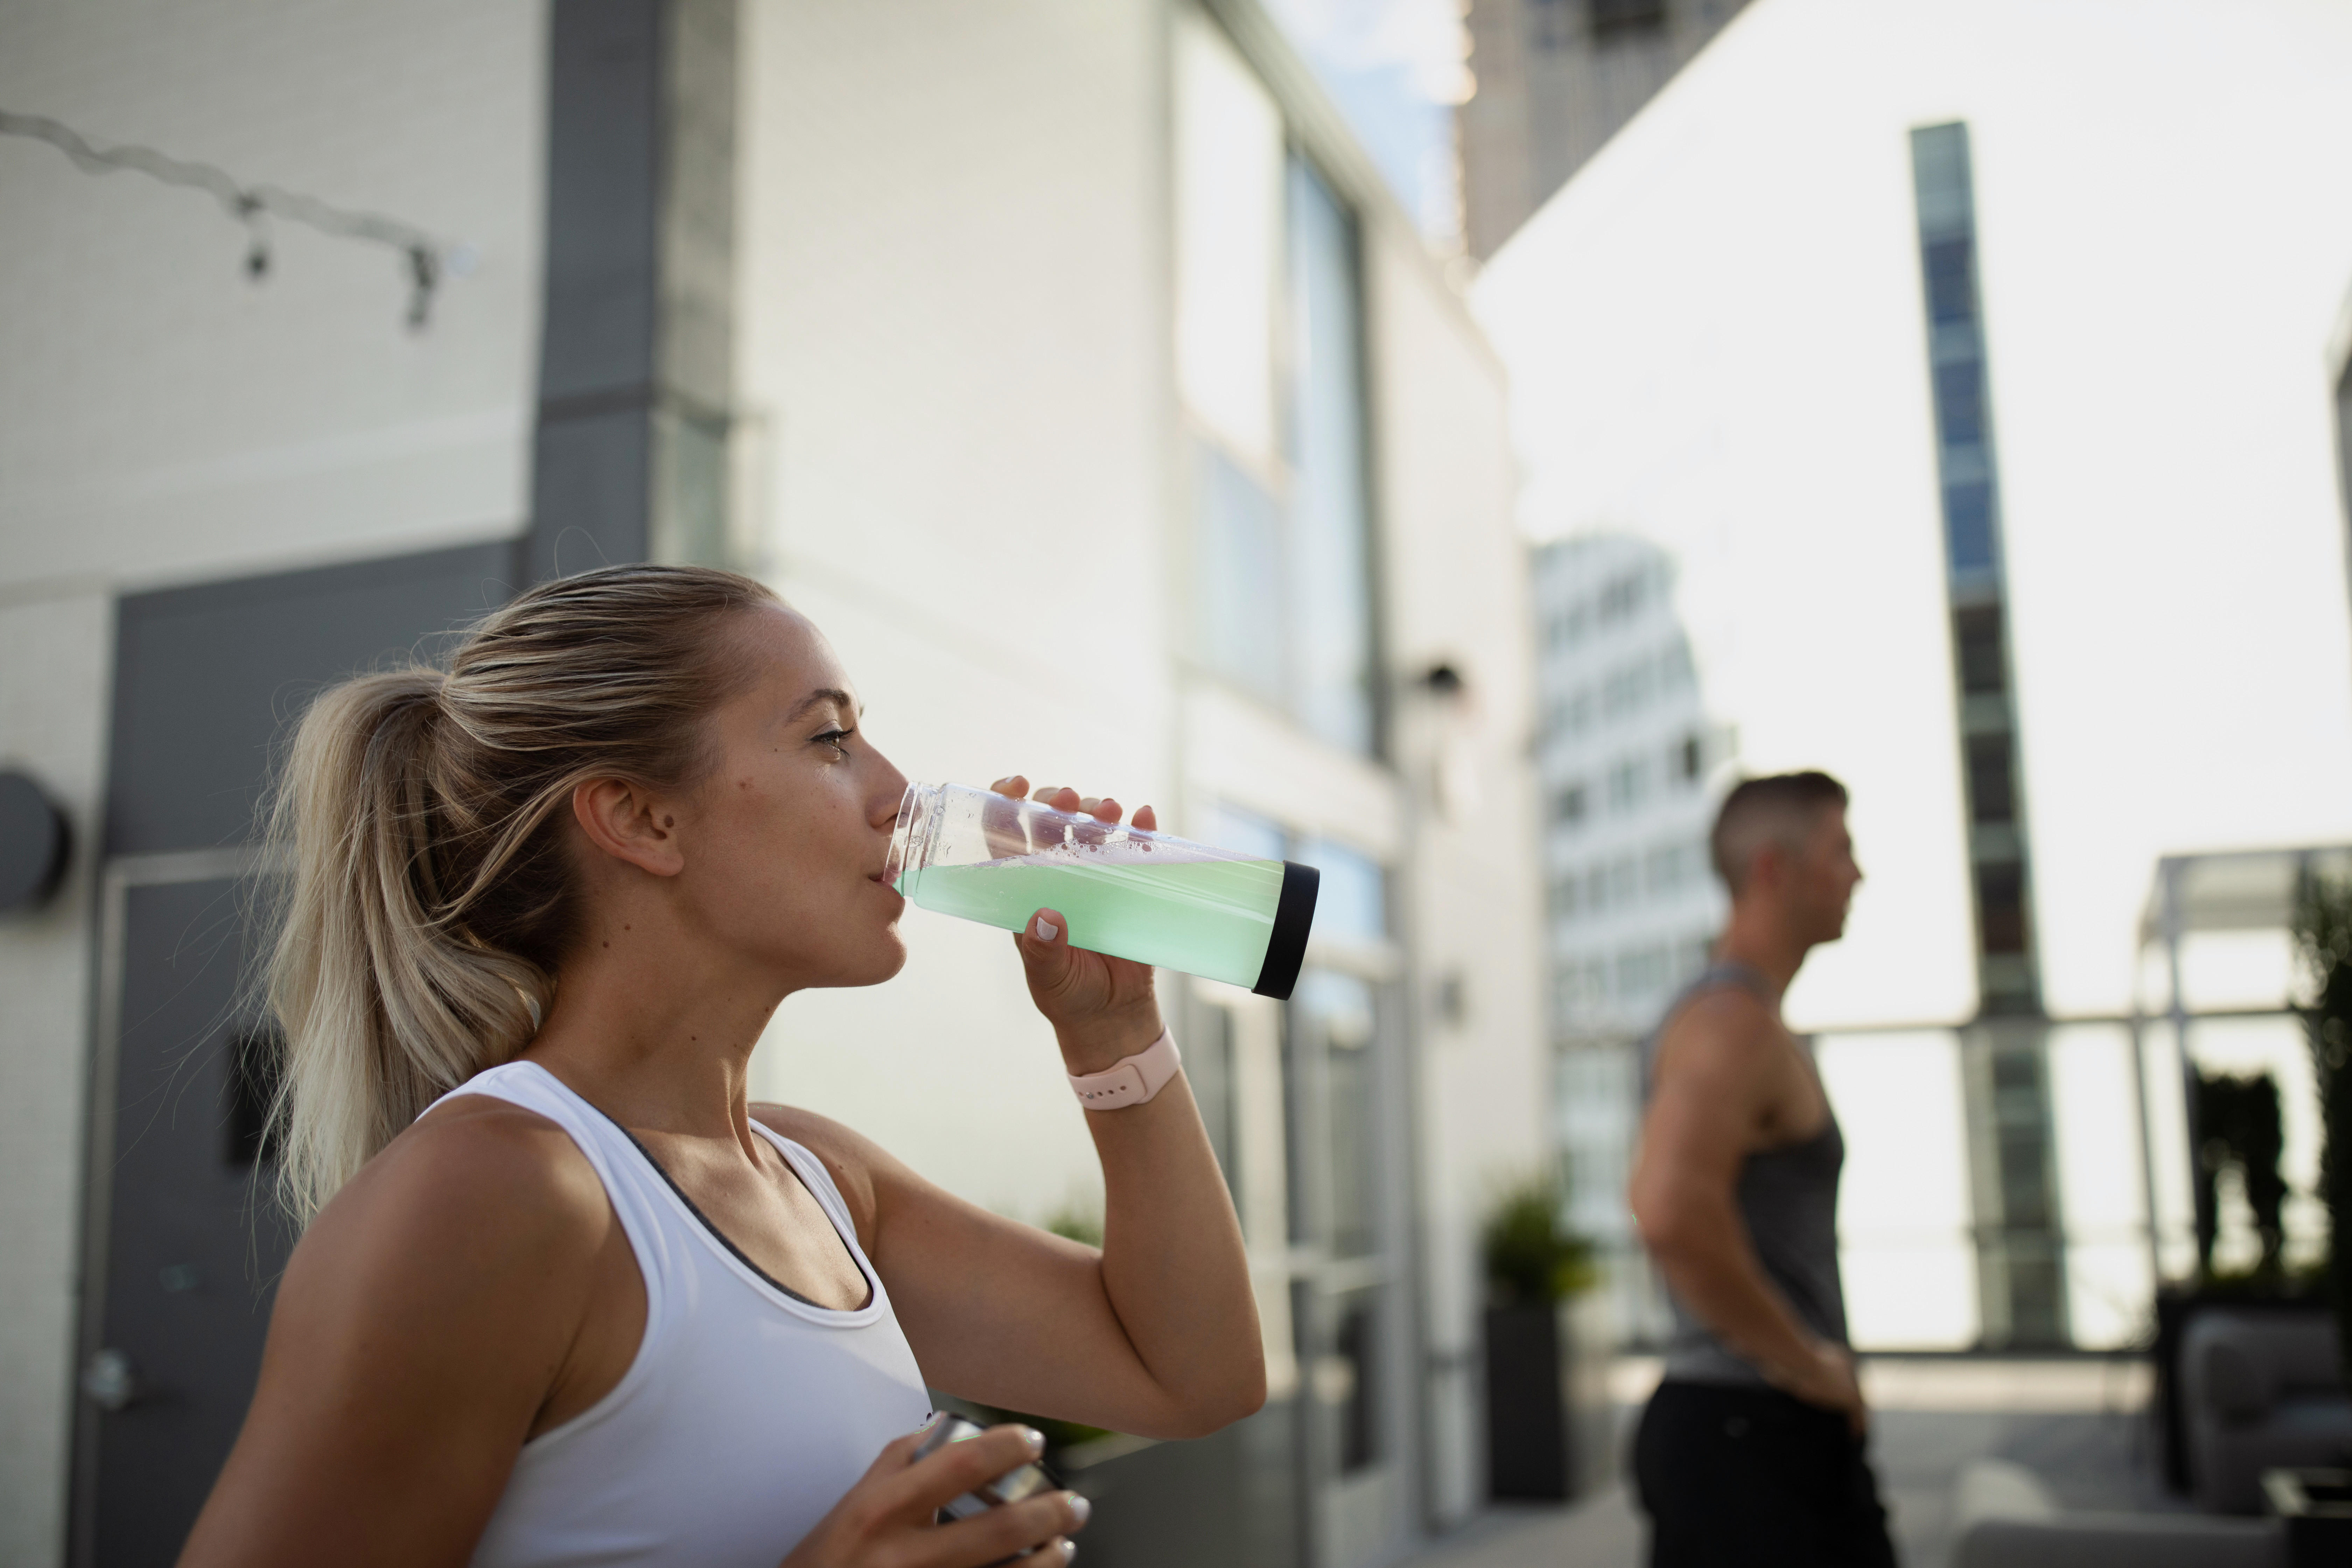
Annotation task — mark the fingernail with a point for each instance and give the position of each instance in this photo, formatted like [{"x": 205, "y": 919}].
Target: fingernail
[
  {"x": 1069, "y": 1550},
  {"x": 1080, "y": 1510},
  {"x": 1034, "y": 1438},
  {"x": 1046, "y": 930}
]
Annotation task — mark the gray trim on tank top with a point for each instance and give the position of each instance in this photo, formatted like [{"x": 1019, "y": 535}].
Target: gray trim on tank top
[{"x": 1788, "y": 1200}]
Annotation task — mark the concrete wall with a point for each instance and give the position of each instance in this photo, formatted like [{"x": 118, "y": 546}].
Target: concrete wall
[{"x": 163, "y": 420}]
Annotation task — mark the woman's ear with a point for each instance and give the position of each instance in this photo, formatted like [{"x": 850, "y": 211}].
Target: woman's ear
[{"x": 626, "y": 822}]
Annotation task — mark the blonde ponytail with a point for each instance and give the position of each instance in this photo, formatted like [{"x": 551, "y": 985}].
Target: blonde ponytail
[{"x": 419, "y": 812}]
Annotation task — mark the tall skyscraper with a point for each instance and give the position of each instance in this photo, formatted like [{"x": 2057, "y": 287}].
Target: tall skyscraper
[{"x": 1556, "y": 78}]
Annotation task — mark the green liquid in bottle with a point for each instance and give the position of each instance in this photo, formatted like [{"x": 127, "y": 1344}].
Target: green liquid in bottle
[{"x": 1211, "y": 918}]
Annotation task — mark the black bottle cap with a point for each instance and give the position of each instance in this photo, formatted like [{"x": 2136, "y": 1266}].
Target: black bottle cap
[{"x": 1285, "y": 950}]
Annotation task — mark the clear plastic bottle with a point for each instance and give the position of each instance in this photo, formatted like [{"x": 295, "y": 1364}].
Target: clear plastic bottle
[{"x": 1150, "y": 896}]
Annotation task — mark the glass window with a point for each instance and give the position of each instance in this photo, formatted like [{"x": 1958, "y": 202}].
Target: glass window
[
  {"x": 1247, "y": 833},
  {"x": 1238, "y": 541},
  {"x": 1331, "y": 599},
  {"x": 2001, "y": 907},
  {"x": 1629, "y": 781},
  {"x": 1333, "y": 1013},
  {"x": 1960, "y": 402},
  {"x": 1270, "y": 368},
  {"x": 1967, "y": 525},
  {"x": 1979, "y": 634},
  {"x": 1991, "y": 792},
  {"x": 1614, "y": 20},
  {"x": 1351, "y": 904},
  {"x": 1355, "y": 1346},
  {"x": 1229, "y": 178},
  {"x": 1951, "y": 280}
]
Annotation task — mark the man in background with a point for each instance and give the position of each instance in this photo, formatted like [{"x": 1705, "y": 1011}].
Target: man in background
[{"x": 1752, "y": 1452}]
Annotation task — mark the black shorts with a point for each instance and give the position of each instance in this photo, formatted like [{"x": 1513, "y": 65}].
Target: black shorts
[{"x": 1751, "y": 1478}]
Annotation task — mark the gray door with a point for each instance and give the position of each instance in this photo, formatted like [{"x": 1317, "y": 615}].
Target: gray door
[{"x": 182, "y": 1246}]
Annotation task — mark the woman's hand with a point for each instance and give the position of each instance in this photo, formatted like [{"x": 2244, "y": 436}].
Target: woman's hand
[
  {"x": 885, "y": 1521},
  {"x": 1102, "y": 1008}
]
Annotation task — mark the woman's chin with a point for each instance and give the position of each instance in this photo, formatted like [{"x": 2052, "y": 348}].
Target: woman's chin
[{"x": 881, "y": 959}]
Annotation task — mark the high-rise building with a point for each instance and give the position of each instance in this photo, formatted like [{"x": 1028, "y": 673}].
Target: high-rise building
[
  {"x": 1837, "y": 344},
  {"x": 1625, "y": 754},
  {"x": 1555, "y": 79}
]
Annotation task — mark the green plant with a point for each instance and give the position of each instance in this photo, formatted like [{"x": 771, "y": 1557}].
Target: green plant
[
  {"x": 1531, "y": 1259},
  {"x": 1077, "y": 1222},
  {"x": 2238, "y": 1124},
  {"x": 2323, "y": 930}
]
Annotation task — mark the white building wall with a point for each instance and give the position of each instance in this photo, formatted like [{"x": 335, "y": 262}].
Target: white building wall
[
  {"x": 55, "y": 659},
  {"x": 955, "y": 345},
  {"x": 1454, "y": 586},
  {"x": 958, "y": 358},
  {"x": 163, "y": 420},
  {"x": 956, "y": 370}
]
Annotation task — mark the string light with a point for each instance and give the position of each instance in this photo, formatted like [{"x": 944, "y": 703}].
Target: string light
[{"x": 424, "y": 259}]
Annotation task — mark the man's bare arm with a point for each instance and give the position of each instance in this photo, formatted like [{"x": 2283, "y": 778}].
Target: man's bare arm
[{"x": 1712, "y": 1087}]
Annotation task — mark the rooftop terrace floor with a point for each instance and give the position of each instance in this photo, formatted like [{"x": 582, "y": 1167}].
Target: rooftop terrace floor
[{"x": 2079, "y": 1423}]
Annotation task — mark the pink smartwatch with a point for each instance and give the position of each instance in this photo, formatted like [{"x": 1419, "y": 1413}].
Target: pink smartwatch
[{"x": 1132, "y": 1080}]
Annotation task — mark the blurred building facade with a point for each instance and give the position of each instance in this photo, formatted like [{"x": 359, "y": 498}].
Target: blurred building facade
[
  {"x": 1836, "y": 337},
  {"x": 1554, "y": 80},
  {"x": 1072, "y": 368}
]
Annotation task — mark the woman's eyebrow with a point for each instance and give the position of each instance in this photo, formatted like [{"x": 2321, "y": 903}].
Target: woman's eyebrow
[{"x": 820, "y": 697}]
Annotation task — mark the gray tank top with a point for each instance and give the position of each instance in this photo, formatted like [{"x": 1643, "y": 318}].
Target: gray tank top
[{"x": 1787, "y": 1199}]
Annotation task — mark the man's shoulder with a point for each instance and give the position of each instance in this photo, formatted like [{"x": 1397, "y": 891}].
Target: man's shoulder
[
  {"x": 1716, "y": 1034},
  {"x": 1732, "y": 1012}
]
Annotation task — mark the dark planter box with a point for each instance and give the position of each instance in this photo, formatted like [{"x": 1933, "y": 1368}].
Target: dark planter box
[
  {"x": 2316, "y": 1506},
  {"x": 1527, "y": 1407},
  {"x": 2175, "y": 1311},
  {"x": 1229, "y": 1499}
]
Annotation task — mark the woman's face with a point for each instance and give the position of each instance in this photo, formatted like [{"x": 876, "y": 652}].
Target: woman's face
[{"x": 785, "y": 839}]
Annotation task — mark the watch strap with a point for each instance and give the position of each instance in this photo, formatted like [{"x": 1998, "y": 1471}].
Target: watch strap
[{"x": 1132, "y": 1080}]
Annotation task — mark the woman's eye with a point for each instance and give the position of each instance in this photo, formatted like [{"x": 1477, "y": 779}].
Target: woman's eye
[{"x": 837, "y": 738}]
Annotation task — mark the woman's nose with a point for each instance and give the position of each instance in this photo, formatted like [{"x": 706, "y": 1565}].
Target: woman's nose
[{"x": 888, "y": 791}]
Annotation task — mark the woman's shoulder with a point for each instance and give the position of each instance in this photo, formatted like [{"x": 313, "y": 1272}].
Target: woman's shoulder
[
  {"x": 450, "y": 1282},
  {"x": 475, "y": 1177}
]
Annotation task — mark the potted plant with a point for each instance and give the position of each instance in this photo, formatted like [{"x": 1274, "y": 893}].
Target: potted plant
[
  {"x": 2238, "y": 1123},
  {"x": 2323, "y": 930},
  {"x": 1533, "y": 1265}
]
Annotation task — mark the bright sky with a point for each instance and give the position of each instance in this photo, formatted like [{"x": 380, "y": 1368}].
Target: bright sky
[
  {"x": 1396, "y": 69},
  {"x": 1715, "y": 342}
]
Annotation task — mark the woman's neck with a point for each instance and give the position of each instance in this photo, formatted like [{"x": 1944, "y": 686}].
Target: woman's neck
[{"x": 656, "y": 1029}]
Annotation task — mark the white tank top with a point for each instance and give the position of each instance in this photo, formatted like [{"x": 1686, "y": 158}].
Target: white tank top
[{"x": 747, "y": 1413}]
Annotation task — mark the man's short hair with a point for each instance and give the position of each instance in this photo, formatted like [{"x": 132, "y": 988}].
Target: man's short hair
[{"x": 1780, "y": 810}]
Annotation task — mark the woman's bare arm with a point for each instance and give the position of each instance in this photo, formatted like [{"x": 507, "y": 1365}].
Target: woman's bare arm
[
  {"x": 421, "y": 1330},
  {"x": 1157, "y": 1334}
]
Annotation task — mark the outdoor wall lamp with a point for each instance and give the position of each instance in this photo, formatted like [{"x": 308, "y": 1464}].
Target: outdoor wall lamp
[{"x": 34, "y": 844}]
